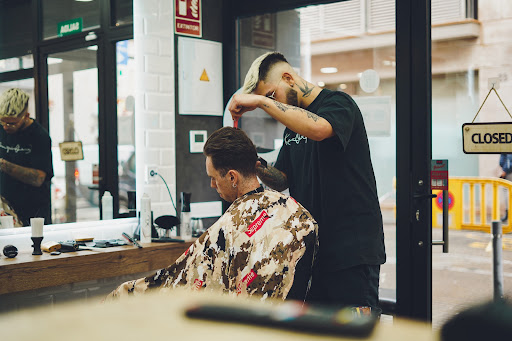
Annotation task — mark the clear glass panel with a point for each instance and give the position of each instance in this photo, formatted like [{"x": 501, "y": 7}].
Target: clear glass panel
[
  {"x": 57, "y": 11},
  {"x": 18, "y": 63},
  {"x": 462, "y": 63},
  {"x": 73, "y": 110},
  {"x": 123, "y": 12},
  {"x": 332, "y": 46},
  {"x": 126, "y": 123}
]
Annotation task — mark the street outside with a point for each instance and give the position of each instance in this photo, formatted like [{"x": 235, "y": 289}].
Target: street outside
[{"x": 461, "y": 278}]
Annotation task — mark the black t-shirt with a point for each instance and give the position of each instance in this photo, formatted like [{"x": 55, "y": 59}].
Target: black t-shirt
[
  {"x": 28, "y": 148},
  {"x": 334, "y": 180}
]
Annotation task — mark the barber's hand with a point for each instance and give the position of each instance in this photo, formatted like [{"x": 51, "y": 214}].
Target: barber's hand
[{"x": 241, "y": 103}]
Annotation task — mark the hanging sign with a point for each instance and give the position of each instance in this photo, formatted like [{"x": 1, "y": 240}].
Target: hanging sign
[
  {"x": 187, "y": 17},
  {"x": 439, "y": 174},
  {"x": 71, "y": 151},
  {"x": 488, "y": 137},
  {"x": 68, "y": 27}
]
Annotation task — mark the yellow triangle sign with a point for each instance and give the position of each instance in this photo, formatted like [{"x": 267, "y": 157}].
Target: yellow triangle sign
[{"x": 204, "y": 76}]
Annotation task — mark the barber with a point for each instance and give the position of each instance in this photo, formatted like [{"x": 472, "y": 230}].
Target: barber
[
  {"x": 25, "y": 159},
  {"x": 325, "y": 162}
]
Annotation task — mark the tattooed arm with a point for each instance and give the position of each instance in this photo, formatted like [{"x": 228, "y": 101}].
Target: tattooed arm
[
  {"x": 272, "y": 177},
  {"x": 30, "y": 176},
  {"x": 297, "y": 119}
]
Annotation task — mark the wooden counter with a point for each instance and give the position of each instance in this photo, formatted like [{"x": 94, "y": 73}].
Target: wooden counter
[
  {"x": 161, "y": 316},
  {"x": 28, "y": 272}
]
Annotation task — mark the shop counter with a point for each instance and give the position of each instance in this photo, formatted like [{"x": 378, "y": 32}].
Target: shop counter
[
  {"x": 161, "y": 316},
  {"x": 27, "y": 272}
]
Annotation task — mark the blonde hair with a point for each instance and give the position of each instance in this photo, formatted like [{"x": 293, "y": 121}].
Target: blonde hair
[
  {"x": 252, "y": 77},
  {"x": 13, "y": 102},
  {"x": 260, "y": 69}
]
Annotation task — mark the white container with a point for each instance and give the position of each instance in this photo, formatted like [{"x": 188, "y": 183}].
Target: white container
[
  {"x": 185, "y": 226},
  {"x": 107, "y": 206},
  {"x": 145, "y": 219}
]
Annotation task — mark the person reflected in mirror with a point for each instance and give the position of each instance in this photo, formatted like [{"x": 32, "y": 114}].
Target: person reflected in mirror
[
  {"x": 325, "y": 162},
  {"x": 263, "y": 245},
  {"x": 26, "y": 167}
]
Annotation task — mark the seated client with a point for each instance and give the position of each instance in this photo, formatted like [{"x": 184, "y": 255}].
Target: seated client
[{"x": 264, "y": 244}]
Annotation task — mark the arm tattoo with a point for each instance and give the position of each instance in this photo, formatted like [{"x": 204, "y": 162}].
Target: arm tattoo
[
  {"x": 272, "y": 177},
  {"x": 312, "y": 116},
  {"x": 30, "y": 176},
  {"x": 306, "y": 90},
  {"x": 283, "y": 107}
]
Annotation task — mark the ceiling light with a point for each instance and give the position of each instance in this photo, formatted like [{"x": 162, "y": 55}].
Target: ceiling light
[
  {"x": 321, "y": 84},
  {"x": 328, "y": 70},
  {"x": 52, "y": 60},
  {"x": 343, "y": 86}
]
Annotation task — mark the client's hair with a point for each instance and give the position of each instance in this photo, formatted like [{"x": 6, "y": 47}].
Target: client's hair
[{"x": 231, "y": 148}]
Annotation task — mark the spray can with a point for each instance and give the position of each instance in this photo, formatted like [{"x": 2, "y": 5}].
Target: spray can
[{"x": 145, "y": 219}]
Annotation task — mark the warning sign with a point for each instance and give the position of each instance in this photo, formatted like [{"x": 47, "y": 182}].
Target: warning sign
[
  {"x": 439, "y": 200},
  {"x": 204, "y": 76},
  {"x": 187, "y": 17}
]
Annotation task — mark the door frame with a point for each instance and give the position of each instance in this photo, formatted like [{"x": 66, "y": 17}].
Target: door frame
[{"x": 413, "y": 145}]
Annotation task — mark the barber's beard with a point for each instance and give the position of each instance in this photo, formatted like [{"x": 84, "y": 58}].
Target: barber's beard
[{"x": 292, "y": 97}]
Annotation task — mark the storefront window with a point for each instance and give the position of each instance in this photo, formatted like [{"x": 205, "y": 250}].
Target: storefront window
[{"x": 56, "y": 12}]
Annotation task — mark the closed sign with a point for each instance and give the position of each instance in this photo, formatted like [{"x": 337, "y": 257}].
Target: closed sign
[{"x": 487, "y": 138}]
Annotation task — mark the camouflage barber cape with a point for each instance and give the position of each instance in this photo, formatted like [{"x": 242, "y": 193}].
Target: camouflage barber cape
[{"x": 264, "y": 245}]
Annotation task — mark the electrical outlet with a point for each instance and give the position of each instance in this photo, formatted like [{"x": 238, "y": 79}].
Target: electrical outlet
[{"x": 151, "y": 172}]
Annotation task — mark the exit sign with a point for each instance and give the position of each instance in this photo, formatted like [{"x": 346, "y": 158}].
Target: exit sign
[{"x": 68, "y": 27}]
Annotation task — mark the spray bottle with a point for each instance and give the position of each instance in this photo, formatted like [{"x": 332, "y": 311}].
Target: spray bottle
[
  {"x": 185, "y": 226},
  {"x": 145, "y": 219}
]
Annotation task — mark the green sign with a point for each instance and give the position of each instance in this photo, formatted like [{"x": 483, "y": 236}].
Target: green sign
[{"x": 69, "y": 27}]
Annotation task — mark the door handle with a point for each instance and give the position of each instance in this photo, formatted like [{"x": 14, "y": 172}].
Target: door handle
[
  {"x": 424, "y": 196},
  {"x": 444, "y": 242}
]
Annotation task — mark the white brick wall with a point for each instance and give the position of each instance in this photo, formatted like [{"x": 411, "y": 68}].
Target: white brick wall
[{"x": 154, "y": 106}]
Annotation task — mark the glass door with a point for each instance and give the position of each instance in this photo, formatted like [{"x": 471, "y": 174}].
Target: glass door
[
  {"x": 73, "y": 116},
  {"x": 463, "y": 67},
  {"x": 355, "y": 55}
]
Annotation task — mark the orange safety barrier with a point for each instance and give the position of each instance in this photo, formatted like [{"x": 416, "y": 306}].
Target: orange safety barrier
[{"x": 474, "y": 203}]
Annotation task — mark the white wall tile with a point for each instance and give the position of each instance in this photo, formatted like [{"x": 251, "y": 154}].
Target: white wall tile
[
  {"x": 166, "y": 84},
  {"x": 158, "y": 65},
  {"x": 151, "y": 120},
  {"x": 167, "y": 121},
  {"x": 165, "y": 47},
  {"x": 159, "y": 102},
  {"x": 159, "y": 139},
  {"x": 150, "y": 45}
]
